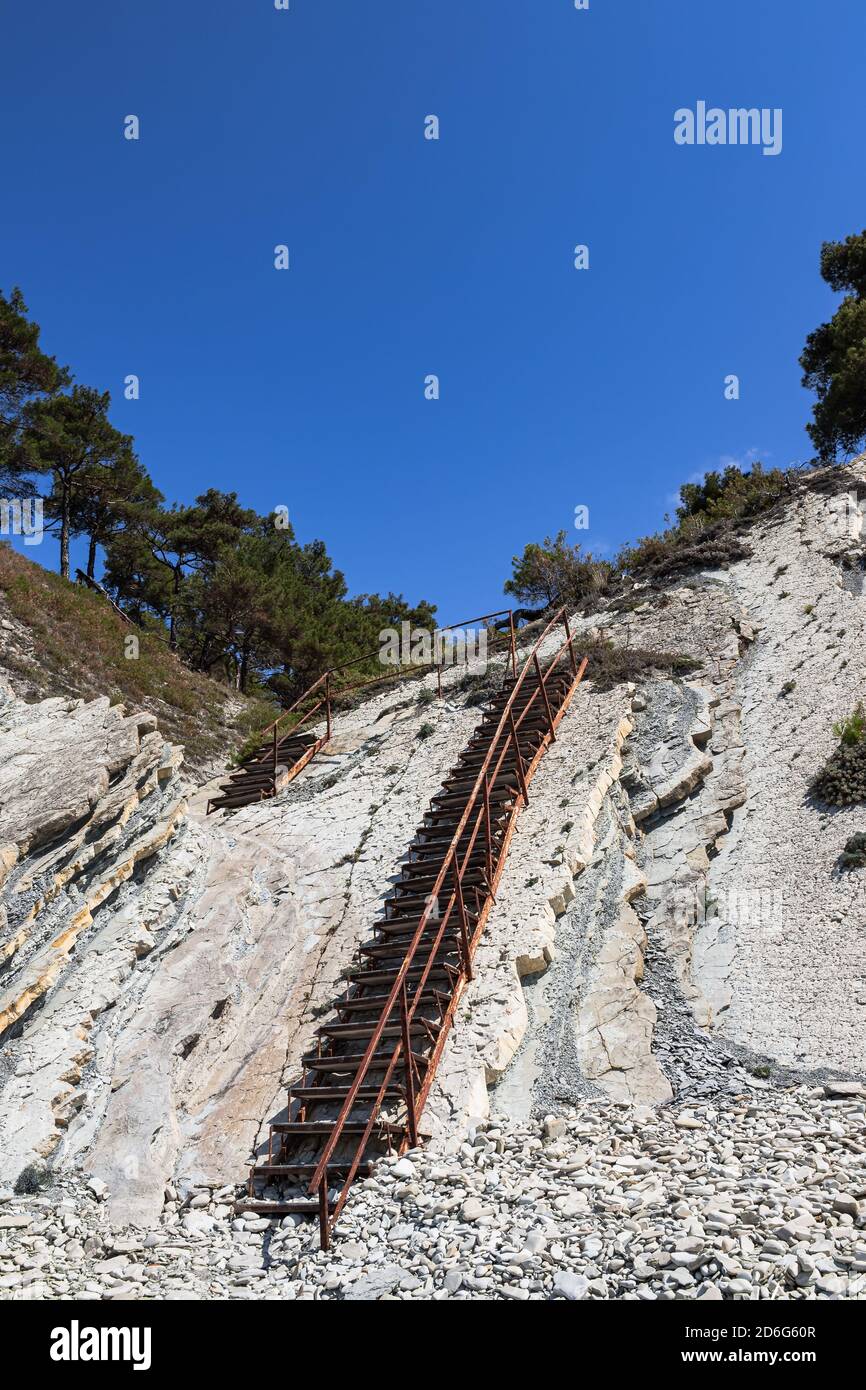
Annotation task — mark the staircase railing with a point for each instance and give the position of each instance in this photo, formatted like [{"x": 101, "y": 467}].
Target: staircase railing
[
  {"x": 325, "y": 683},
  {"x": 272, "y": 729},
  {"x": 478, "y": 812}
]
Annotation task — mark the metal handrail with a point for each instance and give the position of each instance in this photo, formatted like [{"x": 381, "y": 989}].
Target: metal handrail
[
  {"x": 325, "y": 678},
  {"x": 450, "y": 859}
]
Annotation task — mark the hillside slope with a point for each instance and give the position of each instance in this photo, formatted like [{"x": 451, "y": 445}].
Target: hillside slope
[{"x": 57, "y": 638}]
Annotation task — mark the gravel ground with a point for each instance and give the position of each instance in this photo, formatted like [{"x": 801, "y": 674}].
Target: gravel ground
[{"x": 761, "y": 1195}]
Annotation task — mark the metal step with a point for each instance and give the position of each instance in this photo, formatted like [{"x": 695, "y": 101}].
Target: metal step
[
  {"x": 314, "y": 1095},
  {"x": 300, "y": 1129},
  {"x": 299, "y": 1170},
  {"x": 297, "y": 1206},
  {"x": 352, "y": 1031},
  {"x": 348, "y": 1064}
]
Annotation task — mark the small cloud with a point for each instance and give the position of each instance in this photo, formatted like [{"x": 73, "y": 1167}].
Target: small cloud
[{"x": 745, "y": 460}]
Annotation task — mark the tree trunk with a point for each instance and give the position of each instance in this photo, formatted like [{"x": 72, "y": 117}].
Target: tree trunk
[
  {"x": 204, "y": 660},
  {"x": 91, "y": 559},
  {"x": 172, "y": 622},
  {"x": 245, "y": 660},
  {"x": 64, "y": 532}
]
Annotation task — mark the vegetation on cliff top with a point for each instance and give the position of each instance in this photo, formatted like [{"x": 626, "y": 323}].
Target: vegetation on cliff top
[
  {"x": 74, "y": 645},
  {"x": 706, "y": 534}
]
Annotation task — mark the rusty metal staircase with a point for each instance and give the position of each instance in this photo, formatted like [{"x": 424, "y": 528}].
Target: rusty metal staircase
[
  {"x": 279, "y": 757},
  {"x": 364, "y": 1088}
]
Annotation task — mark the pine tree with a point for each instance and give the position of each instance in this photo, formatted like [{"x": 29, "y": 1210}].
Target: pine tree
[
  {"x": 70, "y": 437},
  {"x": 100, "y": 508},
  {"x": 184, "y": 539},
  {"x": 26, "y": 373},
  {"x": 556, "y": 572},
  {"x": 834, "y": 358}
]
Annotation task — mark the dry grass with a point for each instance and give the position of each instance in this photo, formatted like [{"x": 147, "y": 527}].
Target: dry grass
[
  {"x": 77, "y": 647},
  {"x": 609, "y": 666}
]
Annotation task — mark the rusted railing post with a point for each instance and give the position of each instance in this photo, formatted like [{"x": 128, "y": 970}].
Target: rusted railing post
[
  {"x": 411, "y": 1118},
  {"x": 275, "y": 752},
  {"x": 488, "y": 833},
  {"x": 544, "y": 697},
  {"x": 328, "y": 705},
  {"x": 461, "y": 910},
  {"x": 517, "y": 754},
  {"x": 513, "y": 646},
  {"x": 570, "y": 643},
  {"x": 324, "y": 1224}
]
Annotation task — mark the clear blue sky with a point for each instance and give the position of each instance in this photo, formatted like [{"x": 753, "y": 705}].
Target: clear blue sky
[{"x": 410, "y": 257}]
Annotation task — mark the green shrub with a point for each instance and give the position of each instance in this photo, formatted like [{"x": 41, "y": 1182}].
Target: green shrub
[
  {"x": 480, "y": 685},
  {"x": 31, "y": 1180},
  {"x": 703, "y": 536},
  {"x": 854, "y": 854},
  {"x": 671, "y": 553},
  {"x": 556, "y": 572},
  {"x": 426, "y": 730},
  {"x": 842, "y": 780},
  {"x": 425, "y": 696},
  {"x": 852, "y": 729},
  {"x": 731, "y": 494}
]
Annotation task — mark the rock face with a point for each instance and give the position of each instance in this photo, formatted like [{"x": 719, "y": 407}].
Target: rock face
[
  {"x": 744, "y": 893},
  {"x": 784, "y": 951},
  {"x": 88, "y": 798},
  {"x": 670, "y": 908}
]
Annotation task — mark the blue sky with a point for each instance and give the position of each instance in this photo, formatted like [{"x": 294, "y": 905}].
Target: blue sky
[{"x": 410, "y": 257}]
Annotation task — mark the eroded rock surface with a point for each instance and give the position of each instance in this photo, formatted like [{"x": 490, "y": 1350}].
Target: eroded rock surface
[{"x": 88, "y": 798}]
